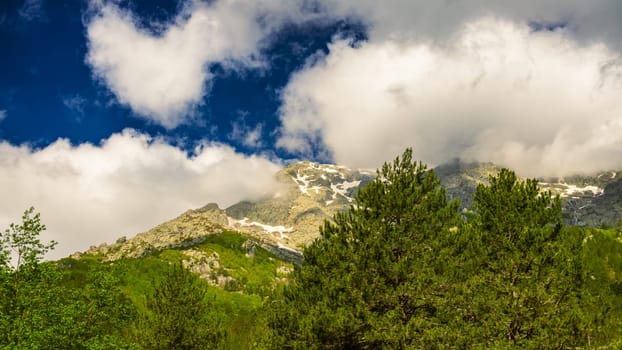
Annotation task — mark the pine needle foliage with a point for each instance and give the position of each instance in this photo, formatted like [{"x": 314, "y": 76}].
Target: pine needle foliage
[
  {"x": 402, "y": 269},
  {"x": 375, "y": 277},
  {"x": 178, "y": 315},
  {"x": 521, "y": 276}
]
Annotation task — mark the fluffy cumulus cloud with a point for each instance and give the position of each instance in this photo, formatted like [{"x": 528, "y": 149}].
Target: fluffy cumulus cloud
[
  {"x": 164, "y": 76},
  {"x": 89, "y": 194},
  {"x": 438, "y": 20},
  {"x": 541, "y": 102},
  {"x": 246, "y": 135}
]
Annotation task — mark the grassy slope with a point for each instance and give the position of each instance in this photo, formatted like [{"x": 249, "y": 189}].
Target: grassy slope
[{"x": 239, "y": 307}]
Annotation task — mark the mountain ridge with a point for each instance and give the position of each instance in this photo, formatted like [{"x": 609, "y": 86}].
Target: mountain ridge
[{"x": 311, "y": 193}]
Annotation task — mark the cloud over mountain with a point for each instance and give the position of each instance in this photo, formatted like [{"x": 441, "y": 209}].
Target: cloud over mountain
[
  {"x": 89, "y": 194},
  {"x": 541, "y": 102},
  {"x": 596, "y": 20},
  {"x": 533, "y": 85}
]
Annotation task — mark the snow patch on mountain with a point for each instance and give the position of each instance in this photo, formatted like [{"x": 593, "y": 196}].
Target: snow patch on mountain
[
  {"x": 281, "y": 230},
  {"x": 572, "y": 191},
  {"x": 304, "y": 184},
  {"x": 315, "y": 177},
  {"x": 343, "y": 188}
]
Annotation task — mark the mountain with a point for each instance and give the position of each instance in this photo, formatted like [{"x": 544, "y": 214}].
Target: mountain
[
  {"x": 248, "y": 250},
  {"x": 282, "y": 224},
  {"x": 309, "y": 193},
  {"x": 587, "y": 200},
  {"x": 460, "y": 179},
  {"x": 594, "y": 200}
]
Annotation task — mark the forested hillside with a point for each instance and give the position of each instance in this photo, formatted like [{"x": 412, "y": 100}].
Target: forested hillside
[{"x": 403, "y": 268}]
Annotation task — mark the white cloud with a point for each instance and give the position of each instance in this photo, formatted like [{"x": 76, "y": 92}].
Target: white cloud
[
  {"x": 164, "y": 77},
  {"x": 436, "y": 20},
  {"x": 252, "y": 138},
  {"x": 2, "y": 114},
  {"x": 539, "y": 102},
  {"x": 88, "y": 194}
]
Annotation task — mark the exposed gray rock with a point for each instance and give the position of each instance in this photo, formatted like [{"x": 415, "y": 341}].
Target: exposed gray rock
[
  {"x": 587, "y": 200},
  {"x": 311, "y": 193},
  {"x": 187, "y": 230},
  {"x": 461, "y": 179},
  {"x": 206, "y": 266}
]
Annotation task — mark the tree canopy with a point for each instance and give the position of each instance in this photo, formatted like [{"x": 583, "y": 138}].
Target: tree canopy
[
  {"x": 403, "y": 269},
  {"x": 39, "y": 311},
  {"x": 179, "y": 314},
  {"x": 372, "y": 280},
  {"x": 521, "y": 273}
]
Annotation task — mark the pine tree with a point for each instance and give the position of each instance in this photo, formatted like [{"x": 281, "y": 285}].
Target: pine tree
[
  {"x": 179, "y": 316},
  {"x": 521, "y": 273},
  {"x": 402, "y": 269},
  {"x": 374, "y": 278}
]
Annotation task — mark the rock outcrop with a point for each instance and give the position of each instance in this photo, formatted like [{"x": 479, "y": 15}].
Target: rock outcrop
[{"x": 311, "y": 193}]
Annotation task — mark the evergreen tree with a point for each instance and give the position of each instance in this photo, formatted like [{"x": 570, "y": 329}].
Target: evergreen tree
[
  {"x": 518, "y": 274},
  {"x": 375, "y": 277},
  {"x": 179, "y": 315},
  {"x": 401, "y": 269}
]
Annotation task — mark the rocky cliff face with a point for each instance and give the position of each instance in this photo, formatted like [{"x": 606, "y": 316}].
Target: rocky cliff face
[
  {"x": 603, "y": 208},
  {"x": 311, "y": 193},
  {"x": 588, "y": 200},
  {"x": 282, "y": 224},
  {"x": 461, "y": 179},
  {"x": 188, "y": 229}
]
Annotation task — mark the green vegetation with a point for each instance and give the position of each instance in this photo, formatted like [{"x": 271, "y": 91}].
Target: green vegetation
[
  {"x": 402, "y": 269},
  {"x": 150, "y": 303},
  {"x": 179, "y": 316},
  {"x": 39, "y": 311},
  {"x": 372, "y": 280},
  {"x": 232, "y": 316},
  {"x": 524, "y": 282}
]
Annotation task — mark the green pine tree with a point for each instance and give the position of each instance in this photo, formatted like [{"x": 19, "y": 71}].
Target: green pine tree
[
  {"x": 375, "y": 277},
  {"x": 403, "y": 270},
  {"x": 518, "y": 274},
  {"x": 179, "y": 316}
]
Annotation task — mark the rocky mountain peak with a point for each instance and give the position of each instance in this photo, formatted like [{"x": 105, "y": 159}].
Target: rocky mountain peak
[
  {"x": 326, "y": 183},
  {"x": 460, "y": 179},
  {"x": 311, "y": 193}
]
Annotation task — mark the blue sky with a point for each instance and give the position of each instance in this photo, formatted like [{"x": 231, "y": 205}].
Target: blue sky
[
  {"x": 118, "y": 115},
  {"x": 49, "y": 91}
]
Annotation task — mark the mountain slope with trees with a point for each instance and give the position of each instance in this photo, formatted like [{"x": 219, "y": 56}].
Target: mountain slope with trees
[{"x": 402, "y": 267}]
